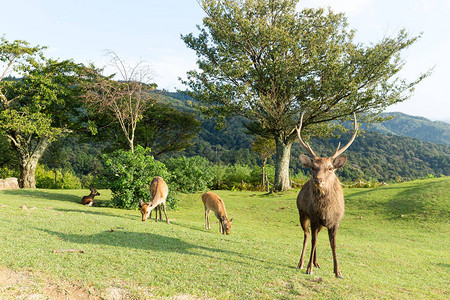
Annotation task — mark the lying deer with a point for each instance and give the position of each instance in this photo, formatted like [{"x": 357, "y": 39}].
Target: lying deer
[
  {"x": 212, "y": 202},
  {"x": 158, "y": 193},
  {"x": 89, "y": 199},
  {"x": 321, "y": 200}
]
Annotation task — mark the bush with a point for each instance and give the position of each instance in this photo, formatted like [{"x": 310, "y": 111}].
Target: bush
[
  {"x": 6, "y": 172},
  {"x": 128, "y": 175},
  {"x": 55, "y": 179},
  {"x": 190, "y": 174},
  {"x": 237, "y": 174}
]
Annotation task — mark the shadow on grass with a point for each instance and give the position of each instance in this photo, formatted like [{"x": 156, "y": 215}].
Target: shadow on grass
[
  {"x": 97, "y": 213},
  {"x": 43, "y": 194},
  {"x": 138, "y": 240}
]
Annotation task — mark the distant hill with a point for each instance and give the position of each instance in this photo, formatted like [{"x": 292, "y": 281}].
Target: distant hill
[{"x": 415, "y": 127}]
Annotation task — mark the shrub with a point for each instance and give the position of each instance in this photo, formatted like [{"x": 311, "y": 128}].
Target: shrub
[
  {"x": 55, "y": 179},
  {"x": 128, "y": 175},
  {"x": 236, "y": 175},
  {"x": 6, "y": 172},
  {"x": 190, "y": 174}
]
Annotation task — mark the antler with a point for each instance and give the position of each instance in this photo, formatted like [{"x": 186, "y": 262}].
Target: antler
[
  {"x": 338, "y": 152},
  {"x": 305, "y": 145}
]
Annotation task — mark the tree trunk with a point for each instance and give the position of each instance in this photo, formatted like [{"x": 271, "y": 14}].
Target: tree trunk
[
  {"x": 282, "y": 157},
  {"x": 264, "y": 172},
  {"x": 27, "y": 172},
  {"x": 29, "y": 150}
]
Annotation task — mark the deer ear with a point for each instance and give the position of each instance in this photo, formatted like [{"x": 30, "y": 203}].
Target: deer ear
[
  {"x": 140, "y": 203},
  {"x": 306, "y": 161},
  {"x": 231, "y": 220},
  {"x": 339, "y": 162}
]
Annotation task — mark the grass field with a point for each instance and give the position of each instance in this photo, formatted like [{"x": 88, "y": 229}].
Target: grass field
[{"x": 393, "y": 243}]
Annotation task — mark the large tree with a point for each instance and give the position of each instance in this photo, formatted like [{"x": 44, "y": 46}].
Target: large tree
[
  {"x": 264, "y": 60},
  {"x": 39, "y": 105}
]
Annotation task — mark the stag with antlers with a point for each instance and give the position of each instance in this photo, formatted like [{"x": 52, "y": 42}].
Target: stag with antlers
[{"x": 320, "y": 202}]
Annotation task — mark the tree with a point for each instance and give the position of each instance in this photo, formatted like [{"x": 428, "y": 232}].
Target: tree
[
  {"x": 265, "y": 148},
  {"x": 39, "y": 106},
  {"x": 165, "y": 129},
  {"x": 124, "y": 99},
  {"x": 263, "y": 60}
]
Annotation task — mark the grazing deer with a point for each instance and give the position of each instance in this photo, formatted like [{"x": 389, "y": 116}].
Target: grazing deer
[
  {"x": 89, "y": 199},
  {"x": 212, "y": 202},
  {"x": 158, "y": 193},
  {"x": 321, "y": 200}
]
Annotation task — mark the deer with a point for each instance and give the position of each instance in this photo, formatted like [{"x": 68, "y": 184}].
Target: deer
[
  {"x": 158, "y": 194},
  {"x": 89, "y": 199},
  {"x": 320, "y": 202},
  {"x": 212, "y": 202}
]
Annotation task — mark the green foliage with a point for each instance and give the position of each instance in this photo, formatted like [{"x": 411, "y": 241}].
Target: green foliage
[
  {"x": 237, "y": 174},
  {"x": 165, "y": 129},
  {"x": 190, "y": 174},
  {"x": 128, "y": 175},
  {"x": 6, "y": 172},
  {"x": 55, "y": 179}
]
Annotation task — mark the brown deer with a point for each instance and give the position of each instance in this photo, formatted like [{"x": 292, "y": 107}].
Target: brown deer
[
  {"x": 321, "y": 200},
  {"x": 158, "y": 193},
  {"x": 212, "y": 202},
  {"x": 89, "y": 199}
]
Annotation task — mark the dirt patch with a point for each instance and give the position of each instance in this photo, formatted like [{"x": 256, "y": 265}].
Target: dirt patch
[{"x": 26, "y": 285}]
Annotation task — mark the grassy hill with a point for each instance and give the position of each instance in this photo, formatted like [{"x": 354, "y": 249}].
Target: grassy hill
[{"x": 381, "y": 254}]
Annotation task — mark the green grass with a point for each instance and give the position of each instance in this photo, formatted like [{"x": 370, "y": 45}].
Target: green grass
[{"x": 381, "y": 254}]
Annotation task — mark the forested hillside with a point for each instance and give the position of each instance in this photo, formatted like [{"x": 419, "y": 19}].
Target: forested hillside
[
  {"x": 416, "y": 127},
  {"x": 373, "y": 155}
]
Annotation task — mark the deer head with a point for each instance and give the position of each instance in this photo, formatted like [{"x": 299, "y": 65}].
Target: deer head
[
  {"x": 226, "y": 225},
  {"x": 94, "y": 192},
  {"x": 323, "y": 167},
  {"x": 144, "y": 208}
]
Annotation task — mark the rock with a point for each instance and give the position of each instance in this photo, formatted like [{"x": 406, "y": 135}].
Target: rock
[{"x": 9, "y": 183}]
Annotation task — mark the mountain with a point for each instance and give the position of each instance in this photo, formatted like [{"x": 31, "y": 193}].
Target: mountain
[{"x": 415, "y": 127}]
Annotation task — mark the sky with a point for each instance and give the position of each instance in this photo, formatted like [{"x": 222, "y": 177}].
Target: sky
[{"x": 150, "y": 30}]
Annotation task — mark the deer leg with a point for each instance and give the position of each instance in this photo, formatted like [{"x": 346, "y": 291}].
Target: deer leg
[
  {"x": 165, "y": 213},
  {"x": 220, "y": 226},
  {"x": 316, "y": 264},
  {"x": 315, "y": 230},
  {"x": 304, "y": 222},
  {"x": 332, "y": 236},
  {"x": 206, "y": 219},
  {"x": 156, "y": 212}
]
